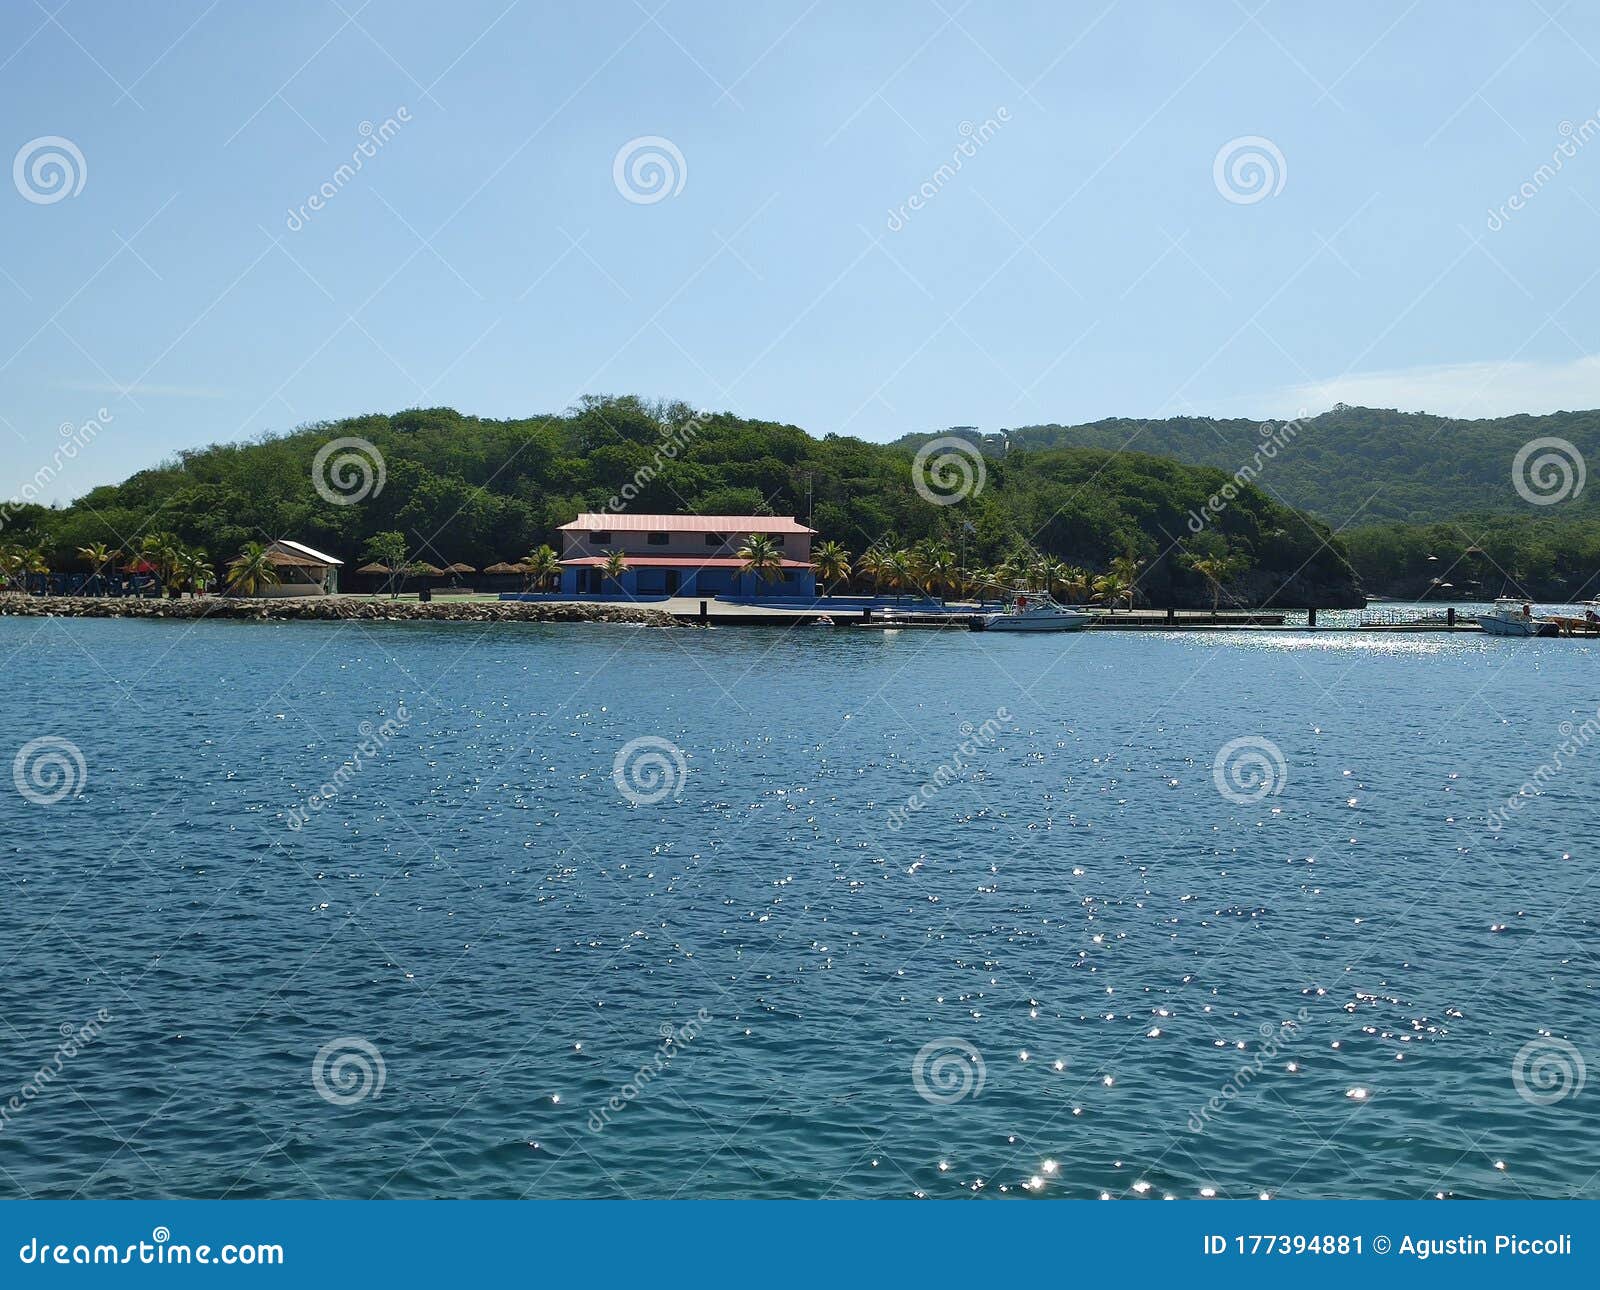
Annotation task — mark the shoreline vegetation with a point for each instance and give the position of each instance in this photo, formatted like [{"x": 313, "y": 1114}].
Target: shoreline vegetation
[
  {"x": 331, "y": 609},
  {"x": 454, "y": 488}
]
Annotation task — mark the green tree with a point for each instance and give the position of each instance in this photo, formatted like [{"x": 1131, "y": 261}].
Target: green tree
[
  {"x": 251, "y": 571},
  {"x": 761, "y": 556}
]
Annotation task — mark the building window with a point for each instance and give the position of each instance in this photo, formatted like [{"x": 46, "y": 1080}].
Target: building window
[
  {"x": 777, "y": 539},
  {"x": 657, "y": 539},
  {"x": 716, "y": 539},
  {"x": 599, "y": 537}
]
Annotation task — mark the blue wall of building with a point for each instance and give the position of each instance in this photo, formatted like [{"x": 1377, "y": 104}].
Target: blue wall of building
[{"x": 704, "y": 583}]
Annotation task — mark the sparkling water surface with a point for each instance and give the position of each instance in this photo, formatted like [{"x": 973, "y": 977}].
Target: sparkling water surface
[{"x": 484, "y": 965}]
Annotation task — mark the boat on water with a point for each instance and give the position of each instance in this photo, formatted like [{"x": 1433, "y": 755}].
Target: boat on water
[
  {"x": 1036, "y": 612},
  {"x": 1511, "y": 617}
]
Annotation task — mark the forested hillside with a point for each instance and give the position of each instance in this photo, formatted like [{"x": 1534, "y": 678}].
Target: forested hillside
[{"x": 466, "y": 488}]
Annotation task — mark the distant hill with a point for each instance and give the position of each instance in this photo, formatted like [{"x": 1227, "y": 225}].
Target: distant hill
[
  {"x": 466, "y": 488},
  {"x": 1350, "y": 466}
]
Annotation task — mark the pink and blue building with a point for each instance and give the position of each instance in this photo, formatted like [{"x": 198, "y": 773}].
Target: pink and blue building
[{"x": 683, "y": 555}]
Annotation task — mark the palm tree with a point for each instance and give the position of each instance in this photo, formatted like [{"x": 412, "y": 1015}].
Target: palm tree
[
  {"x": 615, "y": 566},
  {"x": 1112, "y": 587},
  {"x": 252, "y": 571},
  {"x": 936, "y": 567},
  {"x": 195, "y": 571},
  {"x": 161, "y": 552},
  {"x": 34, "y": 560},
  {"x": 542, "y": 564},
  {"x": 874, "y": 563},
  {"x": 1127, "y": 568},
  {"x": 762, "y": 557},
  {"x": 97, "y": 555},
  {"x": 1216, "y": 570},
  {"x": 1075, "y": 584},
  {"x": 900, "y": 570},
  {"x": 10, "y": 564},
  {"x": 1050, "y": 572},
  {"x": 832, "y": 564}
]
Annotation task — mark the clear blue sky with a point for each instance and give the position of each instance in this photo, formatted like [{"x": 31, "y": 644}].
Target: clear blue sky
[{"x": 1081, "y": 263}]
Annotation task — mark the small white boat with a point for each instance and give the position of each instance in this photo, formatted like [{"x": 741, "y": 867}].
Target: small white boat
[
  {"x": 1036, "y": 612},
  {"x": 1514, "y": 618}
]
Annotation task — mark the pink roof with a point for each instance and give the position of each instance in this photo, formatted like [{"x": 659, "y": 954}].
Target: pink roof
[
  {"x": 673, "y": 562},
  {"x": 686, "y": 524}
]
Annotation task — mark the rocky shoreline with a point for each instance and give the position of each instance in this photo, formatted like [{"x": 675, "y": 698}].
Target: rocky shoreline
[{"x": 332, "y": 609}]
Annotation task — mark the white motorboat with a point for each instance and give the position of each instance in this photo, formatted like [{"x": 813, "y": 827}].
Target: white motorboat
[
  {"x": 1514, "y": 618},
  {"x": 1036, "y": 612}
]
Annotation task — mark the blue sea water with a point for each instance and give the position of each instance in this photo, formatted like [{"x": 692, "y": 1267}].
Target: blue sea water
[{"x": 368, "y": 910}]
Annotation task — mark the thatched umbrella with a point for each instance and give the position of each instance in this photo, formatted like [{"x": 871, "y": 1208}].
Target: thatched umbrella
[
  {"x": 375, "y": 570},
  {"x": 504, "y": 570},
  {"x": 459, "y": 568},
  {"x": 423, "y": 569}
]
